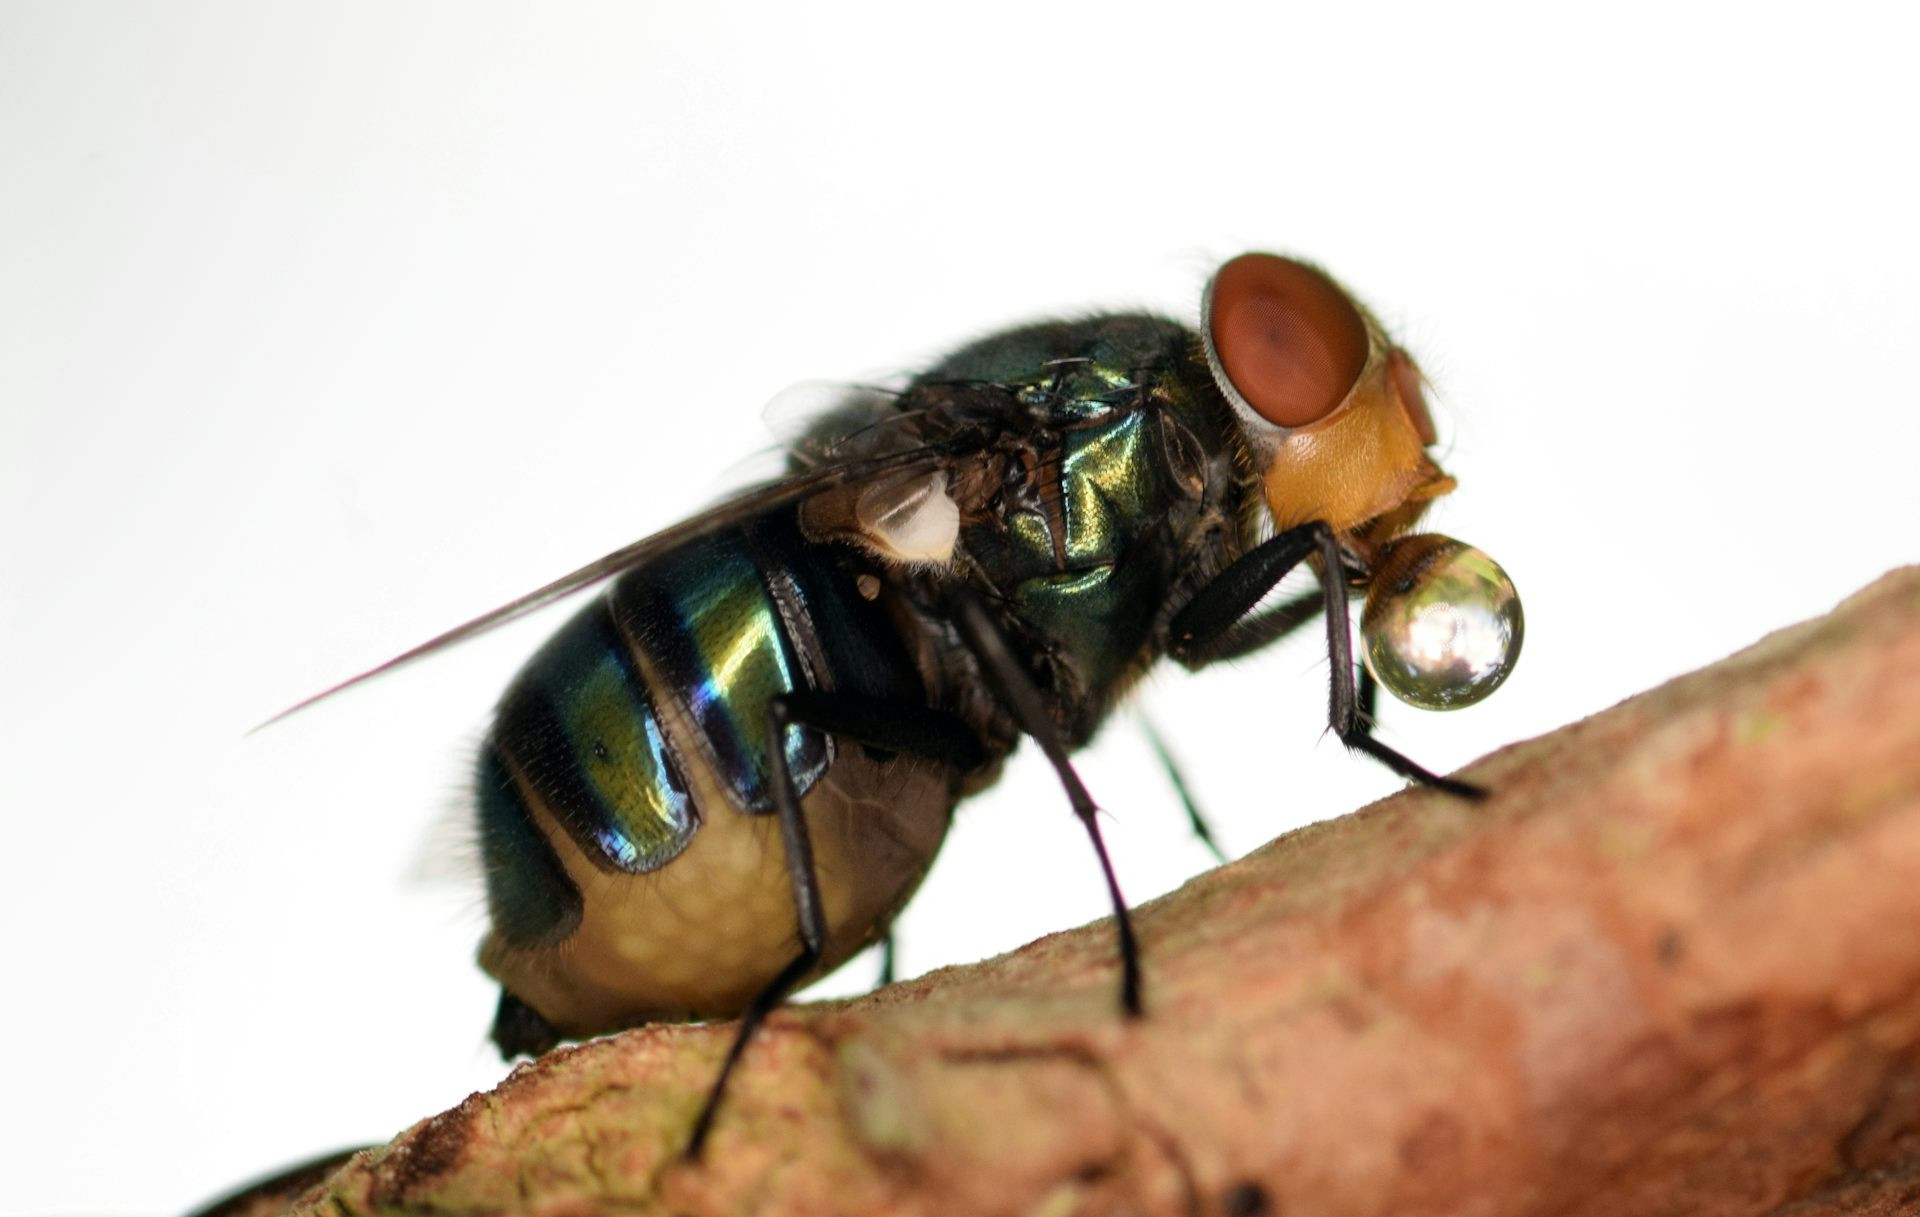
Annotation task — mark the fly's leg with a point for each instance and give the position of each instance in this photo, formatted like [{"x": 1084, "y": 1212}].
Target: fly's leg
[
  {"x": 1194, "y": 815},
  {"x": 1017, "y": 692},
  {"x": 1268, "y": 625},
  {"x": 885, "y": 726},
  {"x": 1350, "y": 710},
  {"x": 1258, "y": 629},
  {"x": 889, "y": 727},
  {"x": 918, "y": 730},
  {"x": 1220, "y": 621},
  {"x": 806, "y": 904},
  {"x": 519, "y": 1029},
  {"x": 1207, "y": 628}
]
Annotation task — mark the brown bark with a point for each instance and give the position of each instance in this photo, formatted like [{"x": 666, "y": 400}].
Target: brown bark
[{"x": 1669, "y": 968}]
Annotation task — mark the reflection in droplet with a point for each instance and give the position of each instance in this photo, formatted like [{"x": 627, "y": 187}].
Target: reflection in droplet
[{"x": 1443, "y": 625}]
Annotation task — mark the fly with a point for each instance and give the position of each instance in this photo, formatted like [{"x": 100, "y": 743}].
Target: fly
[{"x": 997, "y": 552}]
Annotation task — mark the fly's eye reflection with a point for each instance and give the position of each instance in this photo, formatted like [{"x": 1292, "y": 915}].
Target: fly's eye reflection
[
  {"x": 985, "y": 555},
  {"x": 1443, "y": 625},
  {"x": 1285, "y": 338}
]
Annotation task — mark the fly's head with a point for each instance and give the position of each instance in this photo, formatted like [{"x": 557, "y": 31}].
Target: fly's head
[{"x": 1337, "y": 423}]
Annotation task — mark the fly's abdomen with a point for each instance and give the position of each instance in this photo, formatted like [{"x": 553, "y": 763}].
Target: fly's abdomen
[
  {"x": 721, "y": 640},
  {"x": 635, "y": 870},
  {"x": 578, "y": 741}
]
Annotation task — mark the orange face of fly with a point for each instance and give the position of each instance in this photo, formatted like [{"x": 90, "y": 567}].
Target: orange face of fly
[{"x": 1331, "y": 409}]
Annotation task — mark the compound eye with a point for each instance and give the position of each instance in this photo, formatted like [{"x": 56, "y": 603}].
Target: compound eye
[
  {"x": 1287, "y": 341},
  {"x": 1406, "y": 379}
]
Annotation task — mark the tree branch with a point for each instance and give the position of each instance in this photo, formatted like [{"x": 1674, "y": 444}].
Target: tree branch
[{"x": 1671, "y": 967}]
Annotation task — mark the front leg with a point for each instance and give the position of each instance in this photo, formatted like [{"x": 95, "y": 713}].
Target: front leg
[
  {"x": 1349, "y": 714},
  {"x": 1215, "y": 622},
  {"x": 1220, "y": 622}
]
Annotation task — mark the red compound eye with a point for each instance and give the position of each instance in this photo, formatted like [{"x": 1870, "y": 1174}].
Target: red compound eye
[
  {"x": 1286, "y": 337},
  {"x": 1406, "y": 378}
]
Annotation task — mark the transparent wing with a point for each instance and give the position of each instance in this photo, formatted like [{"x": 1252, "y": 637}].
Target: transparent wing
[{"x": 728, "y": 512}]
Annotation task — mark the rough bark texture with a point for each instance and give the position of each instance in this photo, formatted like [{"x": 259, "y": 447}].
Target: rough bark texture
[{"x": 1670, "y": 968}]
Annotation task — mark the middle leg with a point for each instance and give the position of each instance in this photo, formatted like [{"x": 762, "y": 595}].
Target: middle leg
[{"x": 1017, "y": 692}]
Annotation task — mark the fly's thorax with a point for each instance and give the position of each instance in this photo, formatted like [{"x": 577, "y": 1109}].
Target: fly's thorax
[{"x": 1112, "y": 459}]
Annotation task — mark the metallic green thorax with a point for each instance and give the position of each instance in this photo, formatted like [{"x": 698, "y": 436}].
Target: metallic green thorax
[{"x": 1109, "y": 472}]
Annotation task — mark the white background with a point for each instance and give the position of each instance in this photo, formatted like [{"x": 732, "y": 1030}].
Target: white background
[{"x": 322, "y": 329}]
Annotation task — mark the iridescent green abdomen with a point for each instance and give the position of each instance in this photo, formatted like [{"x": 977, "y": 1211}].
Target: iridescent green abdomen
[{"x": 666, "y": 678}]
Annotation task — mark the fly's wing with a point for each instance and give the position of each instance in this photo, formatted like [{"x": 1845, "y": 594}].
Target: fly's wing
[{"x": 818, "y": 478}]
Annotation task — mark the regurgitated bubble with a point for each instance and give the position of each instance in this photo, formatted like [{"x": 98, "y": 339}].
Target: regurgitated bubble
[{"x": 1443, "y": 624}]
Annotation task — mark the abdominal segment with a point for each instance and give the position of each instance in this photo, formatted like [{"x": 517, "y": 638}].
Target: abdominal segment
[{"x": 635, "y": 868}]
